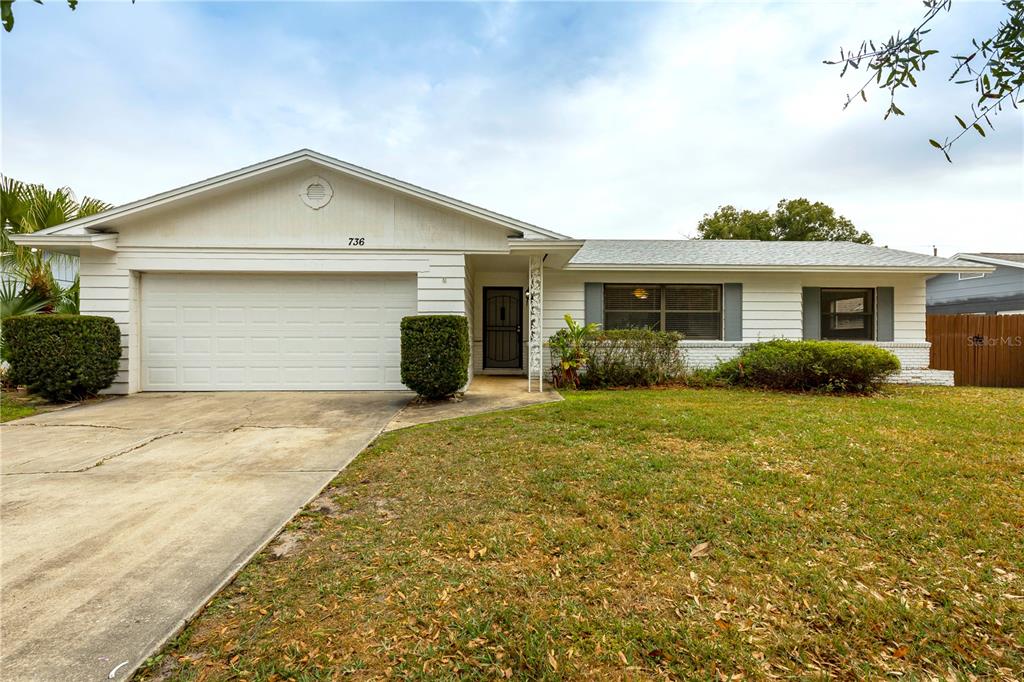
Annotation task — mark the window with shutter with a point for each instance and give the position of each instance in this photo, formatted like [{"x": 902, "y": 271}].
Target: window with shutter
[
  {"x": 695, "y": 310},
  {"x": 848, "y": 314}
]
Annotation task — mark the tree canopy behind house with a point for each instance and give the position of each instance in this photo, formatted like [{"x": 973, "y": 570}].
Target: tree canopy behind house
[{"x": 792, "y": 220}]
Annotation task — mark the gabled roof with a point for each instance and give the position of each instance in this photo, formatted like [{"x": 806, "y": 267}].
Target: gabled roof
[
  {"x": 734, "y": 254},
  {"x": 96, "y": 221},
  {"x": 1013, "y": 260}
]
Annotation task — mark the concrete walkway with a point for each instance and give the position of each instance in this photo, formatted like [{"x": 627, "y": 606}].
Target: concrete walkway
[
  {"x": 120, "y": 519},
  {"x": 486, "y": 393}
]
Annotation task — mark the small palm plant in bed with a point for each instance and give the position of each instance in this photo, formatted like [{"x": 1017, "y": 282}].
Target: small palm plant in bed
[{"x": 569, "y": 350}]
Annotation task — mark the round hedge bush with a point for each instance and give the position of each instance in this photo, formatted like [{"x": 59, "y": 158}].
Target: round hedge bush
[
  {"x": 810, "y": 366},
  {"x": 62, "y": 357},
  {"x": 435, "y": 354}
]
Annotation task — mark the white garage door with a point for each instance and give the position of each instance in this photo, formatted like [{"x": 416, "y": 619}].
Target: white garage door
[{"x": 203, "y": 332}]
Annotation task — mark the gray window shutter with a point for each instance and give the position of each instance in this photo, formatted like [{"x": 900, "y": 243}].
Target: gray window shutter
[
  {"x": 884, "y": 312},
  {"x": 812, "y": 312},
  {"x": 733, "y": 311},
  {"x": 593, "y": 302}
]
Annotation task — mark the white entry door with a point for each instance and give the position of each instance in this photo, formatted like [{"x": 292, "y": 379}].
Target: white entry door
[{"x": 247, "y": 332}]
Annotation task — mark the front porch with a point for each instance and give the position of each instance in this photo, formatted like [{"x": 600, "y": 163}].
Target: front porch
[{"x": 505, "y": 307}]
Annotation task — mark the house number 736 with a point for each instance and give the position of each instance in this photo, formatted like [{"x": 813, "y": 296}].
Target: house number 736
[{"x": 357, "y": 241}]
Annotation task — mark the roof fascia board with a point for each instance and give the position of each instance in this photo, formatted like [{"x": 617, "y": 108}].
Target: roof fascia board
[
  {"x": 328, "y": 249},
  {"x": 516, "y": 245},
  {"x": 107, "y": 242},
  {"x": 990, "y": 261}
]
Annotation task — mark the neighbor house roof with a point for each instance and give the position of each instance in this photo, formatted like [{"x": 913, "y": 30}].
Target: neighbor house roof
[
  {"x": 98, "y": 220},
  {"x": 724, "y": 254},
  {"x": 1013, "y": 260}
]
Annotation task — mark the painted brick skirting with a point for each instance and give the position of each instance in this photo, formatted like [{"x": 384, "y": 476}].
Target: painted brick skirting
[
  {"x": 924, "y": 377},
  {"x": 914, "y": 358}
]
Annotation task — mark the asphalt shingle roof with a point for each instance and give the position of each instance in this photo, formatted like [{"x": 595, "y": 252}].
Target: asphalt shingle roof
[{"x": 730, "y": 252}]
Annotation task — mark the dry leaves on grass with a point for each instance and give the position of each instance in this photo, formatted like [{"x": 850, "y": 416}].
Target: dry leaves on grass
[{"x": 701, "y": 550}]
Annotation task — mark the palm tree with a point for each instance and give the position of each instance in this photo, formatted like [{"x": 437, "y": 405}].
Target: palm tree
[{"x": 27, "y": 208}]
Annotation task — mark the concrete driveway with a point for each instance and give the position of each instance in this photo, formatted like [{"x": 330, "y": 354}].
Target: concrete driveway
[{"x": 121, "y": 518}]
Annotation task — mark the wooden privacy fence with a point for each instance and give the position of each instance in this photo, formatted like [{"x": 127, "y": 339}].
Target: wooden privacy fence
[{"x": 982, "y": 350}]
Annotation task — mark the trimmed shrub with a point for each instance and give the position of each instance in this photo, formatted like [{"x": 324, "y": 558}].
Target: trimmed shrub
[
  {"x": 810, "y": 366},
  {"x": 631, "y": 357},
  {"x": 435, "y": 354},
  {"x": 62, "y": 357}
]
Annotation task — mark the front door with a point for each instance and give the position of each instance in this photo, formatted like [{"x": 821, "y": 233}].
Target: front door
[{"x": 503, "y": 328}]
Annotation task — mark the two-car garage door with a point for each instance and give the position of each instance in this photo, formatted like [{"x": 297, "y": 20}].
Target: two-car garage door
[{"x": 236, "y": 332}]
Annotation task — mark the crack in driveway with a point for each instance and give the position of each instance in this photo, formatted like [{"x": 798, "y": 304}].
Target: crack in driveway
[
  {"x": 36, "y": 425},
  {"x": 124, "y": 451}
]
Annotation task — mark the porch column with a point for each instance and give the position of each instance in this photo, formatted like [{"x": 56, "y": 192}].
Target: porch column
[{"x": 535, "y": 367}]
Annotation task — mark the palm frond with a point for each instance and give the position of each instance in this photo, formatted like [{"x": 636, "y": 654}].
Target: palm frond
[
  {"x": 49, "y": 208},
  {"x": 18, "y": 302},
  {"x": 13, "y": 204},
  {"x": 67, "y": 299},
  {"x": 91, "y": 206}
]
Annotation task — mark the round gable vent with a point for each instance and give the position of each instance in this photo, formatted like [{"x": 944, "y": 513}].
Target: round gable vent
[{"x": 316, "y": 192}]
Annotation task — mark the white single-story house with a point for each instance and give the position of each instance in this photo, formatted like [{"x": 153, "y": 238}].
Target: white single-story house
[{"x": 293, "y": 274}]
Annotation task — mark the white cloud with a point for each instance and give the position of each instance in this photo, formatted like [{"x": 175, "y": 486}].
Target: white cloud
[{"x": 692, "y": 107}]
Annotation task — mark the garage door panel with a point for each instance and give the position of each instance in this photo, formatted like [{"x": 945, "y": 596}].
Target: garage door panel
[
  {"x": 261, "y": 345},
  {"x": 160, "y": 315},
  {"x": 264, "y": 315},
  {"x": 273, "y": 332},
  {"x": 230, "y": 315},
  {"x": 162, "y": 345}
]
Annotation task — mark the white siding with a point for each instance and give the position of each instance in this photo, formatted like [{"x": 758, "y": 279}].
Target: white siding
[
  {"x": 772, "y": 302},
  {"x": 269, "y": 212},
  {"x": 106, "y": 289}
]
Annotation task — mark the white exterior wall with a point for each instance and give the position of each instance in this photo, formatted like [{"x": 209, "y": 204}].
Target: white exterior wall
[
  {"x": 269, "y": 213},
  {"x": 772, "y": 306},
  {"x": 107, "y": 289}
]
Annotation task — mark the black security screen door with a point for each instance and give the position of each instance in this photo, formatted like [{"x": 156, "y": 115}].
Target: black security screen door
[{"x": 503, "y": 328}]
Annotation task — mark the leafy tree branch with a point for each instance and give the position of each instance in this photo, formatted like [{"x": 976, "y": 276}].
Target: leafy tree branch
[{"x": 995, "y": 66}]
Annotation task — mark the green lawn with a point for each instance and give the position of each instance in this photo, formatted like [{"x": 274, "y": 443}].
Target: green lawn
[
  {"x": 846, "y": 537},
  {"x": 13, "y": 406}
]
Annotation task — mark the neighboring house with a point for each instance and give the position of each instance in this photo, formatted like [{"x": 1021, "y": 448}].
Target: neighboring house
[
  {"x": 294, "y": 274},
  {"x": 1000, "y": 292}
]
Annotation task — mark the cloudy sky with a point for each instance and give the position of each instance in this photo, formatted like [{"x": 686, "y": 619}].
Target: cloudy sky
[{"x": 596, "y": 120}]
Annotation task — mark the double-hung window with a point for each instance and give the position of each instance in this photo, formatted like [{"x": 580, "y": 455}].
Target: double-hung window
[
  {"x": 848, "y": 314},
  {"x": 695, "y": 310}
]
